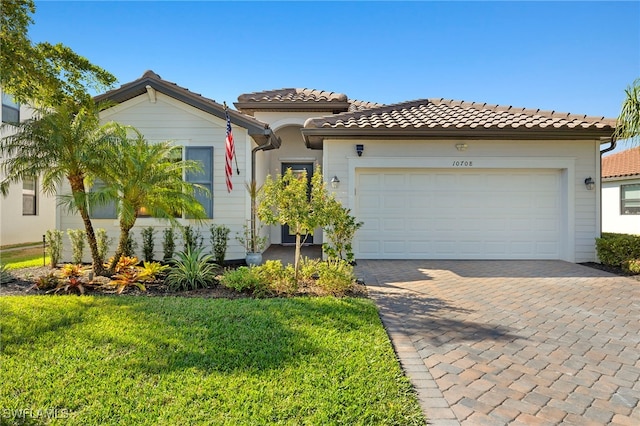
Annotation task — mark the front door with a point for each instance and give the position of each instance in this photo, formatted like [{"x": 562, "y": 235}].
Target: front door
[{"x": 298, "y": 169}]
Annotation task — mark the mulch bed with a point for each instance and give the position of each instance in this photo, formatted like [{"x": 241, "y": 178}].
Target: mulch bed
[
  {"x": 23, "y": 280},
  {"x": 22, "y": 283},
  {"x": 616, "y": 270}
]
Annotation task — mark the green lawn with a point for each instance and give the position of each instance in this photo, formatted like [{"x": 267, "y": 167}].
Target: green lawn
[
  {"x": 23, "y": 258},
  {"x": 135, "y": 360}
]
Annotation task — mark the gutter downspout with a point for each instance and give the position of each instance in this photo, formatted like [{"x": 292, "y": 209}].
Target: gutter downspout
[
  {"x": 610, "y": 148},
  {"x": 268, "y": 145},
  {"x": 604, "y": 151}
]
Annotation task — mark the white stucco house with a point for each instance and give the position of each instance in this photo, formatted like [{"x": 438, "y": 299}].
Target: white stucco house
[
  {"x": 431, "y": 178},
  {"x": 26, "y": 213},
  {"x": 621, "y": 192}
]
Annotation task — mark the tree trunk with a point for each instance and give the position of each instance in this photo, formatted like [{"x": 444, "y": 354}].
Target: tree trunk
[
  {"x": 296, "y": 259},
  {"x": 78, "y": 192},
  {"x": 124, "y": 237}
]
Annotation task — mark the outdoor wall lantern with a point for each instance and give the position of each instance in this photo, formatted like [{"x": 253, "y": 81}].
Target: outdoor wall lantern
[
  {"x": 359, "y": 149},
  {"x": 335, "y": 182},
  {"x": 589, "y": 183},
  {"x": 461, "y": 146}
]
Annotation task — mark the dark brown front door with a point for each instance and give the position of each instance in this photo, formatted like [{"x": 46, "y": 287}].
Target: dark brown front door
[{"x": 297, "y": 168}]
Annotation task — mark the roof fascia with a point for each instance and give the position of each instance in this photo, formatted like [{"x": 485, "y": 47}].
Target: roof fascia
[
  {"x": 137, "y": 88},
  {"x": 333, "y": 107},
  {"x": 314, "y": 137},
  {"x": 629, "y": 177}
]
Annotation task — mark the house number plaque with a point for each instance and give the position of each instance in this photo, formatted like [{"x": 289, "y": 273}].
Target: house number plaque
[{"x": 462, "y": 164}]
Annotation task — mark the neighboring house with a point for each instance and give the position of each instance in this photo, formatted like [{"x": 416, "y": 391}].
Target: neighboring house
[
  {"x": 25, "y": 213},
  {"x": 621, "y": 192},
  {"x": 432, "y": 178}
]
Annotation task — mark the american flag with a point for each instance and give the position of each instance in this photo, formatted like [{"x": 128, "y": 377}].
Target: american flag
[{"x": 231, "y": 151}]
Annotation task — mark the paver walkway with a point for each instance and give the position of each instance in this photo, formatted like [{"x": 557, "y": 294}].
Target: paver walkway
[{"x": 513, "y": 342}]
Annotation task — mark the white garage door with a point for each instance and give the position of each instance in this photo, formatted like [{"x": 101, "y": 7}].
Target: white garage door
[{"x": 458, "y": 214}]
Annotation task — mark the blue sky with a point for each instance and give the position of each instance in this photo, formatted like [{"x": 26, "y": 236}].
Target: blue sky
[{"x": 565, "y": 56}]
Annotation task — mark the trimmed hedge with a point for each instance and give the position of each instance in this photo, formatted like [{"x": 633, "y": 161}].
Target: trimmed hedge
[{"x": 618, "y": 249}]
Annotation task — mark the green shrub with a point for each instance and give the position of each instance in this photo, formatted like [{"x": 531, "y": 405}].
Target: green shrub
[
  {"x": 53, "y": 238},
  {"x": 243, "y": 278},
  {"x": 130, "y": 247},
  {"x": 78, "y": 238},
  {"x": 335, "y": 277},
  {"x": 632, "y": 266},
  {"x": 339, "y": 232},
  {"x": 127, "y": 274},
  {"x": 168, "y": 244},
  {"x": 5, "y": 276},
  {"x": 147, "y": 243},
  {"x": 278, "y": 279},
  {"x": 616, "y": 249},
  {"x": 46, "y": 282},
  {"x": 71, "y": 279},
  {"x": 103, "y": 241},
  {"x": 191, "y": 269},
  {"x": 192, "y": 239},
  {"x": 150, "y": 271},
  {"x": 219, "y": 242}
]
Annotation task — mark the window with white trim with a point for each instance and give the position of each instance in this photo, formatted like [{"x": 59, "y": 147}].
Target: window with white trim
[
  {"x": 10, "y": 110},
  {"x": 204, "y": 155},
  {"x": 29, "y": 196},
  {"x": 630, "y": 199},
  {"x": 102, "y": 211}
]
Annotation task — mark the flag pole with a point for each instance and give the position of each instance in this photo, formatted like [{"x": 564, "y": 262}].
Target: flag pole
[{"x": 234, "y": 147}]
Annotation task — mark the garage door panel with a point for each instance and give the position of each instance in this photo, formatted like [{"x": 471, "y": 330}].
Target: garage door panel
[
  {"x": 397, "y": 201},
  {"x": 369, "y": 202},
  {"x": 419, "y": 203},
  {"x": 498, "y": 214},
  {"x": 369, "y": 247},
  {"x": 419, "y": 247},
  {"x": 419, "y": 225},
  {"x": 370, "y": 224},
  {"x": 493, "y": 248},
  {"x": 394, "y": 247},
  {"x": 393, "y": 225}
]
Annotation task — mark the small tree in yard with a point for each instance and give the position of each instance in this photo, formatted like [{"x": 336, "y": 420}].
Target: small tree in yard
[
  {"x": 340, "y": 232},
  {"x": 288, "y": 200},
  {"x": 147, "y": 176},
  {"x": 58, "y": 144}
]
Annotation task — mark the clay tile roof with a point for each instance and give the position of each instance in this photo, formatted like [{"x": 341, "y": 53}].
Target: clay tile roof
[
  {"x": 292, "y": 99},
  {"x": 258, "y": 130},
  {"x": 446, "y": 113},
  {"x": 355, "y": 105},
  {"x": 292, "y": 95},
  {"x": 625, "y": 163}
]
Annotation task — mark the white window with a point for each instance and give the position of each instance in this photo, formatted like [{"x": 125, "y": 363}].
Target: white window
[
  {"x": 102, "y": 211},
  {"x": 10, "y": 110},
  {"x": 630, "y": 199},
  {"x": 204, "y": 155},
  {"x": 29, "y": 191},
  {"x": 205, "y": 179}
]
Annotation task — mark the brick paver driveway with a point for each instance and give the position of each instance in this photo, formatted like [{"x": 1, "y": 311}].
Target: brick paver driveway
[{"x": 513, "y": 342}]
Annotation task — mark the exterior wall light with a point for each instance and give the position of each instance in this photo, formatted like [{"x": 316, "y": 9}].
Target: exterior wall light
[
  {"x": 359, "y": 149},
  {"x": 461, "y": 146},
  {"x": 589, "y": 183},
  {"x": 335, "y": 182}
]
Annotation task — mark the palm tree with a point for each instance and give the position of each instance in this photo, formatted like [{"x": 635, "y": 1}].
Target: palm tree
[
  {"x": 146, "y": 176},
  {"x": 628, "y": 125},
  {"x": 57, "y": 144}
]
